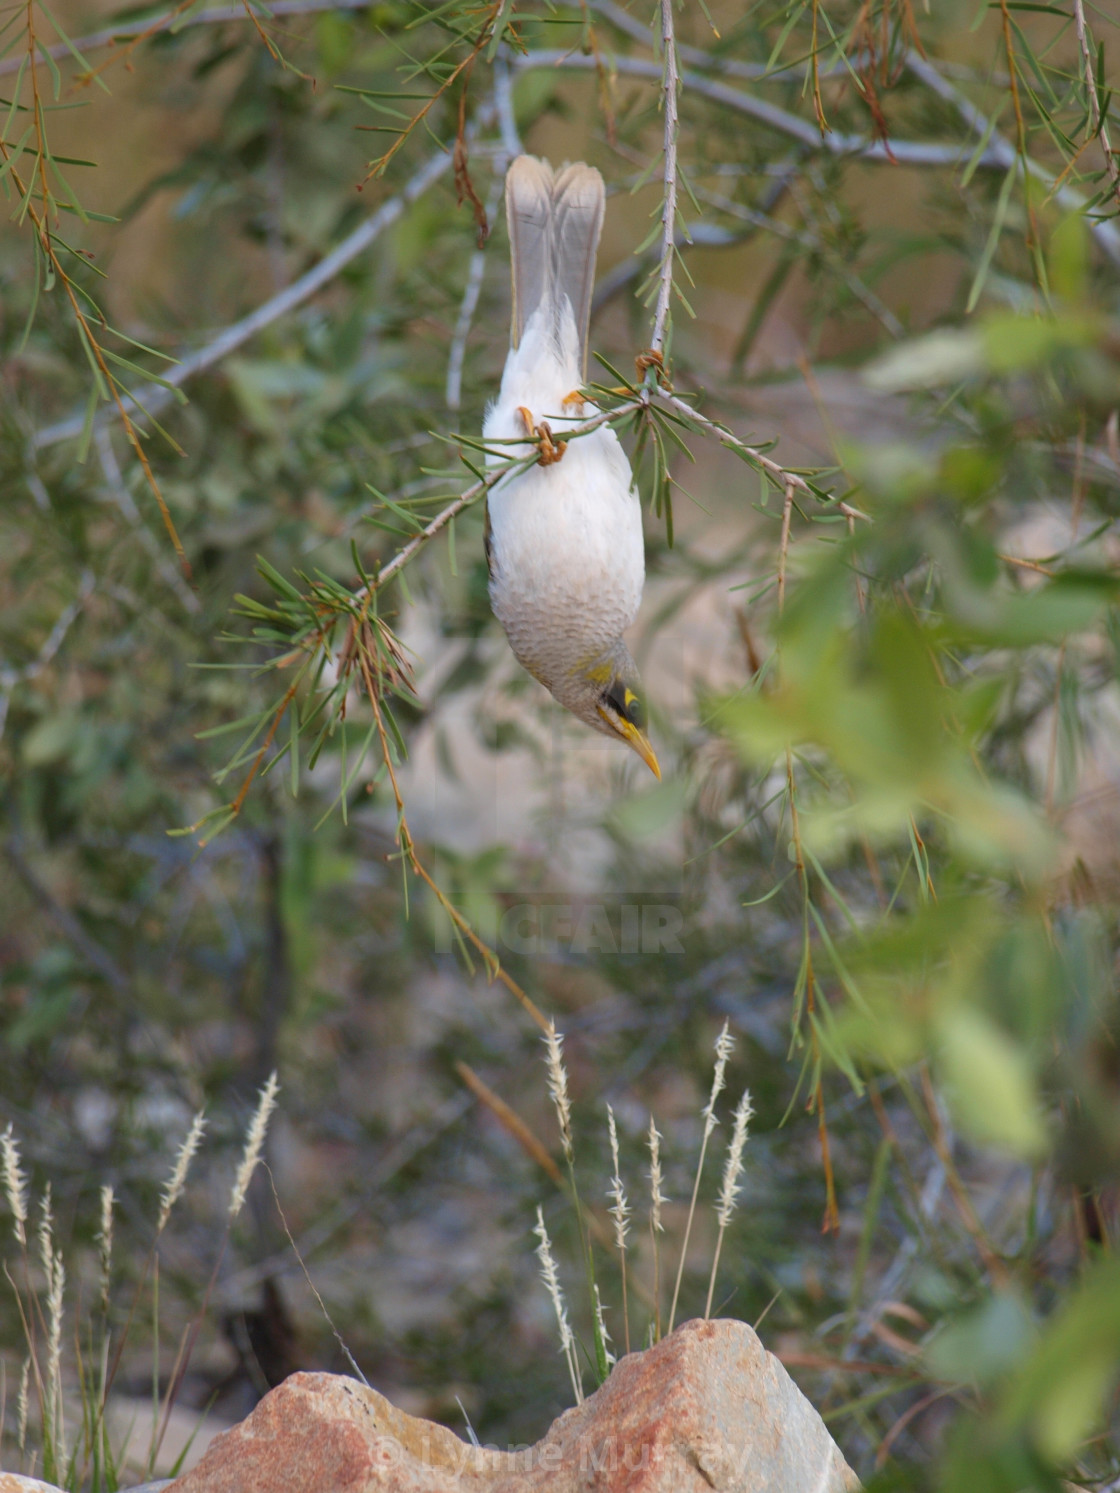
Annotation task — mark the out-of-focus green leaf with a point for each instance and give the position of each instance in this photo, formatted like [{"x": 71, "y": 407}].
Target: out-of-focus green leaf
[
  {"x": 50, "y": 740},
  {"x": 1069, "y": 603},
  {"x": 1003, "y": 343},
  {"x": 1058, "y": 1396},
  {"x": 643, "y": 816},
  {"x": 988, "y": 1082},
  {"x": 984, "y": 1343},
  {"x": 1069, "y": 256},
  {"x": 941, "y": 357}
]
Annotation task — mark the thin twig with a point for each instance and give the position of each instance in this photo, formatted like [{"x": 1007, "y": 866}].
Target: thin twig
[
  {"x": 511, "y": 1122},
  {"x": 408, "y": 849},
  {"x": 995, "y": 1266},
  {"x": 1006, "y": 156},
  {"x": 1099, "y": 125},
  {"x": 503, "y": 99},
  {"x": 510, "y": 147},
  {"x": 456, "y": 357},
  {"x": 670, "y": 88},
  {"x": 152, "y": 26},
  {"x": 783, "y": 478},
  {"x": 997, "y": 154},
  {"x": 907, "y": 152},
  {"x": 831, "y": 1221},
  {"x": 154, "y": 397},
  {"x": 474, "y": 492},
  {"x": 118, "y": 491}
]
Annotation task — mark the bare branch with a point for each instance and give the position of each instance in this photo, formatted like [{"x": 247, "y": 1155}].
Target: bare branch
[
  {"x": 510, "y": 147},
  {"x": 670, "y": 88},
  {"x": 212, "y": 16},
  {"x": 154, "y": 397},
  {"x": 453, "y": 394},
  {"x": 906, "y": 152},
  {"x": 998, "y": 154},
  {"x": 503, "y": 98}
]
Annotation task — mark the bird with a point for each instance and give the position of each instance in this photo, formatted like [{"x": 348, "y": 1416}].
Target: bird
[{"x": 563, "y": 538}]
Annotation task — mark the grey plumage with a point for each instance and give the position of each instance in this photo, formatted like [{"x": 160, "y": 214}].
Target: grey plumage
[{"x": 554, "y": 219}]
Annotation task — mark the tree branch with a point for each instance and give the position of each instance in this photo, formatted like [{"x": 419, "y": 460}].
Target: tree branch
[
  {"x": 473, "y": 493},
  {"x": 154, "y": 397},
  {"x": 670, "y": 87},
  {"x": 1099, "y": 125},
  {"x": 120, "y": 495},
  {"x": 510, "y": 147},
  {"x": 157, "y": 25},
  {"x": 1005, "y": 154},
  {"x": 905, "y": 152},
  {"x": 786, "y": 480}
]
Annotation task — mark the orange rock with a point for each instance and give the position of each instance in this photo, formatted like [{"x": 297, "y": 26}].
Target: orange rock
[{"x": 706, "y": 1409}]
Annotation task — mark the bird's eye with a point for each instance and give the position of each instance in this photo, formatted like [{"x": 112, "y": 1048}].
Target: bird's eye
[{"x": 626, "y": 703}]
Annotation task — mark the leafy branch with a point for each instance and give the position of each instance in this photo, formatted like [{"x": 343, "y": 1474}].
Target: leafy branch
[
  {"x": 669, "y": 90},
  {"x": 1098, "y": 123}
]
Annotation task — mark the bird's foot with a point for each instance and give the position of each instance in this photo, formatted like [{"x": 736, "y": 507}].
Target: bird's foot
[
  {"x": 550, "y": 451},
  {"x": 652, "y": 359},
  {"x": 573, "y": 399}
]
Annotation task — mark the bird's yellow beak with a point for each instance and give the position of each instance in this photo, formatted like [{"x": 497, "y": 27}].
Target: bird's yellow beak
[{"x": 641, "y": 744}]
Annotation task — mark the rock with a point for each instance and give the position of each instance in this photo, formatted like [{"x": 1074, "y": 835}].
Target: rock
[{"x": 705, "y": 1409}]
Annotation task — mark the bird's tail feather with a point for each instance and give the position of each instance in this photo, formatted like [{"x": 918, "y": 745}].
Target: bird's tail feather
[{"x": 555, "y": 219}]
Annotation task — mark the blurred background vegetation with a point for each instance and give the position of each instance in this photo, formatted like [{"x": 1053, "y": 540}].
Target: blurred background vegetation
[{"x": 887, "y": 844}]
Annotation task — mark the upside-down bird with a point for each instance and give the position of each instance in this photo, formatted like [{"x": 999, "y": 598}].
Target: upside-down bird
[{"x": 564, "y": 536}]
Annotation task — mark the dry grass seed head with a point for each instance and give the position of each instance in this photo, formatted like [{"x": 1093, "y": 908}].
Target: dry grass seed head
[
  {"x": 105, "y": 1244},
  {"x": 15, "y": 1184},
  {"x": 254, "y": 1144},
  {"x": 733, "y": 1167},
  {"x": 558, "y": 1088},
  {"x": 620, "y": 1208},
  {"x": 724, "y": 1044},
  {"x": 173, "y": 1189},
  {"x": 46, "y": 1239},
  {"x": 656, "y": 1195}
]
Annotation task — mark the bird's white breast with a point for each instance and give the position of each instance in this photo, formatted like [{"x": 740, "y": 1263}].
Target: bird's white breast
[{"x": 567, "y": 559}]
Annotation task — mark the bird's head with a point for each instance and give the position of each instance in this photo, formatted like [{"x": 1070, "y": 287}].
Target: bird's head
[{"x": 608, "y": 696}]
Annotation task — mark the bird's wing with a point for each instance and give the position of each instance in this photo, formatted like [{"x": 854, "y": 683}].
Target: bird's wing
[{"x": 554, "y": 226}]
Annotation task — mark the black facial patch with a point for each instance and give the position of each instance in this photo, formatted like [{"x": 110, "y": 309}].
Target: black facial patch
[{"x": 626, "y": 703}]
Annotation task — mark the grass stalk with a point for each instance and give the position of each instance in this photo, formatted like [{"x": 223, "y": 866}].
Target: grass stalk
[
  {"x": 729, "y": 1189},
  {"x": 724, "y": 1044}
]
